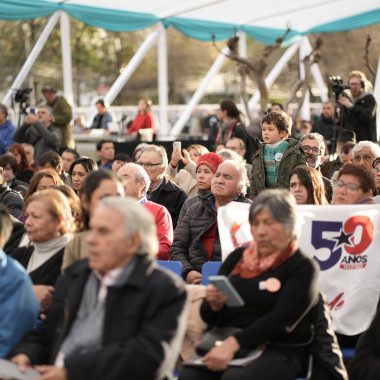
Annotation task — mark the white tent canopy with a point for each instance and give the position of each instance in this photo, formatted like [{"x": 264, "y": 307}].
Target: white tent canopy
[{"x": 200, "y": 19}]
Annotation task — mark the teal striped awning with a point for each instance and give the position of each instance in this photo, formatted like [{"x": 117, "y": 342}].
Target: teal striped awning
[{"x": 205, "y": 19}]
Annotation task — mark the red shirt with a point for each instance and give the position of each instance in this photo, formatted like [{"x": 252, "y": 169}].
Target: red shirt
[
  {"x": 164, "y": 228},
  {"x": 142, "y": 121}
]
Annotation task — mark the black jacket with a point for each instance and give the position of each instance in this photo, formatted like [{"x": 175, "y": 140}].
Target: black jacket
[
  {"x": 43, "y": 139},
  {"x": 361, "y": 118},
  {"x": 47, "y": 273},
  {"x": 12, "y": 199},
  {"x": 293, "y": 320},
  {"x": 171, "y": 196},
  {"x": 366, "y": 363},
  {"x": 187, "y": 246},
  {"x": 18, "y": 230},
  {"x": 142, "y": 321}
]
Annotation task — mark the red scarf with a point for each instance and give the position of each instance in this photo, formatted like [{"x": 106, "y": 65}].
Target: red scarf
[{"x": 252, "y": 265}]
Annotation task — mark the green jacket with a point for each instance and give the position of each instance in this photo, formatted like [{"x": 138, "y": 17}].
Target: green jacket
[
  {"x": 293, "y": 156},
  {"x": 62, "y": 116}
]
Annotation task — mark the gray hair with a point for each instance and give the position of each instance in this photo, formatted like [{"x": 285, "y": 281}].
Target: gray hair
[
  {"x": 141, "y": 175},
  {"x": 50, "y": 111},
  {"x": 375, "y": 149},
  {"x": 315, "y": 136},
  {"x": 160, "y": 150},
  {"x": 243, "y": 178},
  {"x": 29, "y": 145},
  {"x": 230, "y": 155},
  {"x": 281, "y": 205},
  {"x": 137, "y": 220}
]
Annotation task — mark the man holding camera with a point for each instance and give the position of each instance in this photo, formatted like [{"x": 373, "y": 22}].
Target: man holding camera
[
  {"x": 39, "y": 131},
  {"x": 360, "y": 113}
]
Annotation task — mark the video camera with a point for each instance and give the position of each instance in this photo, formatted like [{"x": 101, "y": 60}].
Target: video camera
[
  {"x": 337, "y": 86},
  {"x": 23, "y": 96}
]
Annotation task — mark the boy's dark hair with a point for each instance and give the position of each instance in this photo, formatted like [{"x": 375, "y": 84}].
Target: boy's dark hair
[
  {"x": 122, "y": 157},
  {"x": 72, "y": 151},
  {"x": 278, "y": 104},
  {"x": 7, "y": 159},
  {"x": 281, "y": 120},
  {"x": 101, "y": 102},
  {"x": 53, "y": 158},
  {"x": 99, "y": 145}
]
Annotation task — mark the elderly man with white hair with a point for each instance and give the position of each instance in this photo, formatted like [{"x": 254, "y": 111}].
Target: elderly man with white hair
[
  {"x": 161, "y": 190},
  {"x": 116, "y": 315},
  {"x": 196, "y": 240},
  {"x": 364, "y": 152},
  {"x": 136, "y": 183}
]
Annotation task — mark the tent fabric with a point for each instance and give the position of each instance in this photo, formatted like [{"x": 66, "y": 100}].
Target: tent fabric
[{"x": 208, "y": 19}]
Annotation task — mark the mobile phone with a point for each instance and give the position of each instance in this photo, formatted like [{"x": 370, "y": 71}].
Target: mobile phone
[
  {"x": 32, "y": 111},
  {"x": 223, "y": 284},
  {"x": 177, "y": 145}
]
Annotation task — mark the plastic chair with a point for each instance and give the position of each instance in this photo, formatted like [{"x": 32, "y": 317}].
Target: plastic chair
[
  {"x": 174, "y": 266},
  {"x": 211, "y": 268}
]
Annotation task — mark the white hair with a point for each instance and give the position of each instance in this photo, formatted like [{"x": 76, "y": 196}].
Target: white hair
[
  {"x": 375, "y": 149},
  {"x": 141, "y": 175},
  {"x": 137, "y": 220}
]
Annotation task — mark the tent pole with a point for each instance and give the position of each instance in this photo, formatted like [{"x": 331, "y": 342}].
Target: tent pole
[
  {"x": 216, "y": 66},
  {"x": 243, "y": 53},
  {"x": 317, "y": 75},
  {"x": 17, "y": 83},
  {"x": 305, "y": 49},
  {"x": 163, "y": 81},
  {"x": 275, "y": 72},
  {"x": 131, "y": 67},
  {"x": 66, "y": 58},
  {"x": 376, "y": 94}
]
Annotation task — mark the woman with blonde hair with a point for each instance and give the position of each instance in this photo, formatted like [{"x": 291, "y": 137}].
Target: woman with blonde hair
[
  {"x": 186, "y": 177},
  {"x": 49, "y": 225}
]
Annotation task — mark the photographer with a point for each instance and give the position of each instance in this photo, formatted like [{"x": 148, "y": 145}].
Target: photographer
[
  {"x": 360, "y": 113},
  {"x": 39, "y": 131}
]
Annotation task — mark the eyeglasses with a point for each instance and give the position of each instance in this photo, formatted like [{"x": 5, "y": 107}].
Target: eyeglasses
[
  {"x": 351, "y": 187},
  {"x": 147, "y": 165},
  {"x": 365, "y": 157},
  {"x": 307, "y": 149},
  {"x": 376, "y": 171}
]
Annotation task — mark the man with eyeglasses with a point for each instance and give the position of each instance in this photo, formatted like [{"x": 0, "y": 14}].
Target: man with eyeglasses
[
  {"x": 365, "y": 152},
  {"x": 359, "y": 113},
  {"x": 313, "y": 146},
  {"x": 39, "y": 131},
  {"x": 237, "y": 145},
  {"x": 154, "y": 160}
]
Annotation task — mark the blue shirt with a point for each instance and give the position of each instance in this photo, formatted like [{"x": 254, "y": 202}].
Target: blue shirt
[
  {"x": 18, "y": 304},
  {"x": 6, "y": 136}
]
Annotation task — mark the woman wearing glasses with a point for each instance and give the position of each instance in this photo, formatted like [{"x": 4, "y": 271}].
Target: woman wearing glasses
[{"x": 355, "y": 185}]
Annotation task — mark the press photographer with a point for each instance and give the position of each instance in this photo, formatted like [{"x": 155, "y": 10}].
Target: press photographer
[
  {"x": 359, "y": 113},
  {"x": 39, "y": 131}
]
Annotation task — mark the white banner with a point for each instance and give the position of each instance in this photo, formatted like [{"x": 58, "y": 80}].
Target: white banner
[{"x": 344, "y": 240}]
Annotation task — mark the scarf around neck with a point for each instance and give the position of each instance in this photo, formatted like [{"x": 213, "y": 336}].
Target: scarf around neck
[{"x": 252, "y": 265}]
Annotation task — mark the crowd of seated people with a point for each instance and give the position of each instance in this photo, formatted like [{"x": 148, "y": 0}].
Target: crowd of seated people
[{"x": 85, "y": 237}]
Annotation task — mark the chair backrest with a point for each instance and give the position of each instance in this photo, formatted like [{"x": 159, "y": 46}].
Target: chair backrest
[
  {"x": 174, "y": 266},
  {"x": 211, "y": 268}
]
